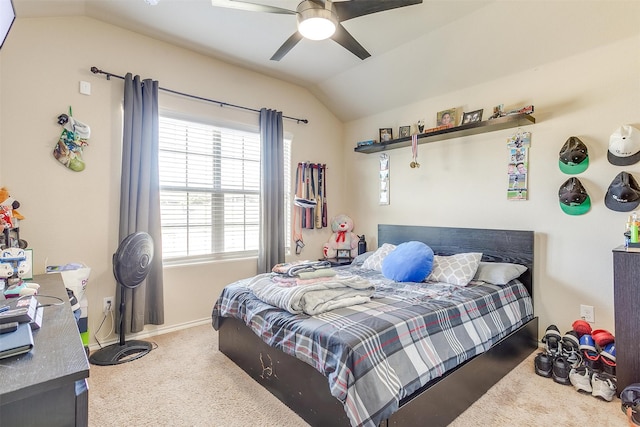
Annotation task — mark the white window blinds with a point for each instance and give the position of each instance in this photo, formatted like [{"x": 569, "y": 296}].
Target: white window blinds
[{"x": 210, "y": 190}]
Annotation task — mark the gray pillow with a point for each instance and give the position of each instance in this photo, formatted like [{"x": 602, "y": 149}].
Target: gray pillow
[
  {"x": 456, "y": 269},
  {"x": 498, "y": 273},
  {"x": 374, "y": 262}
]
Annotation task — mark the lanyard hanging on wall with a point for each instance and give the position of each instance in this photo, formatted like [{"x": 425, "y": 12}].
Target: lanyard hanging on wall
[{"x": 414, "y": 151}]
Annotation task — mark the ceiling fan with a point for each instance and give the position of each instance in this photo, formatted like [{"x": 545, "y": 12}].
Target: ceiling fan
[{"x": 322, "y": 19}]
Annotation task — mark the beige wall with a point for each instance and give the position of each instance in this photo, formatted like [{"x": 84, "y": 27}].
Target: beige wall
[
  {"x": 462, "y": 182},
  {"x": 72, "y": 217}
]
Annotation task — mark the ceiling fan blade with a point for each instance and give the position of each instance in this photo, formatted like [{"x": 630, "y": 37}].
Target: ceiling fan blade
[
  {"x": 252, "y": 7},
  {"x": 352, "y": 9},
  {"x": 346, "y": 40},
  {"x": 287, "y": 46}
]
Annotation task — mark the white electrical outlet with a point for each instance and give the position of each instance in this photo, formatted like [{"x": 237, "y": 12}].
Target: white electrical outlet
[
  {"x": 107, "y": 304},
  {"x": 587, "y": 313}
]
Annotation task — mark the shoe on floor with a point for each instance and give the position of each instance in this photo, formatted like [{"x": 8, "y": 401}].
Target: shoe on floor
[
  {"x": 552, "y": 340},
  {"x": 608, "y": 358},
  {"x": 543, "y": 364},
  {"x": 581, "y": 327},
  {"x": 590, "y": 355},
  {"x": 561, "y": 369},
  {"x": 580, "y": 378},
  {"x": 604, "y": 386}
]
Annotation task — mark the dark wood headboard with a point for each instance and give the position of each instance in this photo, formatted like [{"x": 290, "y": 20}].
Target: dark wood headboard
[{"x": 496, "y": 245}]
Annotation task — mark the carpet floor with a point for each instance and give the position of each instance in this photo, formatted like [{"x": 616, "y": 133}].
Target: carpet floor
[{"x": 186, "y": 381}]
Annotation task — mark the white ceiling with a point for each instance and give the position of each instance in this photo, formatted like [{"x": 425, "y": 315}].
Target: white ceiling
[{"x": 417, "y": 51}]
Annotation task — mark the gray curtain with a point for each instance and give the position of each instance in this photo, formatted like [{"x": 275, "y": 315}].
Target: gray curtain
[
  {"x": 140, "y": 197},
  {"x": 271, "y": 249}
]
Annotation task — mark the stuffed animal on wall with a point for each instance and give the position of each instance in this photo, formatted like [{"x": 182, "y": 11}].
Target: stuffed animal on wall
[
  {"x": 10, "y": 205},
  {"x": 342, "y": 237}
]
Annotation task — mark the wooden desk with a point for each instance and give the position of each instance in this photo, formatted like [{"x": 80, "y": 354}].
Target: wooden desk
[{"x": 48, "y": 385}]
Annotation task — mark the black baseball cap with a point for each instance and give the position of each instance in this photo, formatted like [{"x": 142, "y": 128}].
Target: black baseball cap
[
  {"x": 574, "y": 199},
  {"x": 574, "y": 157},
  {"x": 623, "y": 194}
]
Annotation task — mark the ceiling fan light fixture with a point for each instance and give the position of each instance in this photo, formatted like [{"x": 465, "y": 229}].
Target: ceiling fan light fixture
[{"x": 316, "y": 23}]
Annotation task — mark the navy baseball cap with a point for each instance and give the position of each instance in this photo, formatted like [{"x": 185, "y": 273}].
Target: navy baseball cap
[
  {"x": 623, "y": 194},
  {"x": 574, "y": 199},
  {"x": 574, "y": 156}
]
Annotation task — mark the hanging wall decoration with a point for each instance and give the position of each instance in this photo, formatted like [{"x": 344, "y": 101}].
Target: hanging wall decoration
[
  {"x": 74, "y": 137},
  {"x": 384, "y": 179},
  {"x": 518, "y": 167}
]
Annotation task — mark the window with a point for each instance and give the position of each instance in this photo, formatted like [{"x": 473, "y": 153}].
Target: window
[{"x": 210, "y": 190}]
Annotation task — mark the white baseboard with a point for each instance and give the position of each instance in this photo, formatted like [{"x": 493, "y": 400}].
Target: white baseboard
[{"x": 153, "y": 331}]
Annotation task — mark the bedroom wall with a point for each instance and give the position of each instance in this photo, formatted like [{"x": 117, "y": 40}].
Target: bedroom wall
[
  {"x": 73, "y": 217},
  {"x": 462, "y": 182}
]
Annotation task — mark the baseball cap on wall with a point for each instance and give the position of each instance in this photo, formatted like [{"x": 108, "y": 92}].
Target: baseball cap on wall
[
  {"x": 624, "y": 146},
  {"x": 623, "y": 194},
  {"x": 574, "y": 156},
  {"x": 574, "y": 199}
]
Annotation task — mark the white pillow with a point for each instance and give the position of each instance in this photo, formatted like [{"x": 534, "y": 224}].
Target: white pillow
[
  {"x": 498, "y": 273},
  {"x": 456, "y": 269},
  {"x": 374, "y": 262}
]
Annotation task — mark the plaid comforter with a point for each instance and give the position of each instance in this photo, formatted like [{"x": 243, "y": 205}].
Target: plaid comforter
[{"x": 377, "y": 353}]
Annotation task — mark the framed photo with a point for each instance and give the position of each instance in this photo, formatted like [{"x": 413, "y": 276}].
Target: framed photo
[
  {"x": 344, "y": 253},
  {"x": 386, "y": 134},
  {"x": 404, "y": 131},
  {"x": 448, "y": 117},
  {"x": 472, "y": 117}
]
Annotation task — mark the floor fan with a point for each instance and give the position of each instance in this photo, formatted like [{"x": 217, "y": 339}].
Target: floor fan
[{"x": 131, "y": 264}]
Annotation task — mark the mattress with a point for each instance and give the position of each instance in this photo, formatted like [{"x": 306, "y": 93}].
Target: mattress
[{"x": 377, "y": 353}]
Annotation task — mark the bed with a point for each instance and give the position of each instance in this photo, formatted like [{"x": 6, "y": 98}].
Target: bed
[{"x": 456, "y": 385}]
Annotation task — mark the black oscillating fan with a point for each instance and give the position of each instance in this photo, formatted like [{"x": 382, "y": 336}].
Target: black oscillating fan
[{"x": 131, "y": 264}]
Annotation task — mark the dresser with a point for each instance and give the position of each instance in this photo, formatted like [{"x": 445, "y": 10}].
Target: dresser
[
  {"x": 48, "y": 385},
  {"x": 626, "y": 293}
]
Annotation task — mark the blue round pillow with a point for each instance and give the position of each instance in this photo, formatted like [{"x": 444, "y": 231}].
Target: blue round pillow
[{"x": 408, "y": 262}]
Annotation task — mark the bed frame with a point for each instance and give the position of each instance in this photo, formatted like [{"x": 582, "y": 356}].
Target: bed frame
[{"x": 306, "y": 391}]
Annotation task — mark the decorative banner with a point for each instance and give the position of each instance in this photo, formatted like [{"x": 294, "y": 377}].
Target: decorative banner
[
  {"x": 384, "y": 179},
  {"x": 518, "y": 167}
]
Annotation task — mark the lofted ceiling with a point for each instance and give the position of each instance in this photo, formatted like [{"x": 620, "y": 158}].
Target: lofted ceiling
[{"x": 417, "y": 52}]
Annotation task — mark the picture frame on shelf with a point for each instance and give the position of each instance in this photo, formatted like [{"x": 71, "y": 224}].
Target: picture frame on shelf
[
  {"x": 386, "y": 134},
  {"x": 448, "y": 117},
  {"x": 472, "y": 117},
  {"x": 404, "y": 131},
  {"x": 343, "y": 254}
]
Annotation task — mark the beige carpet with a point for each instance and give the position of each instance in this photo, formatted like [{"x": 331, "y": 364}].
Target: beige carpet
[{"x": 186, "y": 381}]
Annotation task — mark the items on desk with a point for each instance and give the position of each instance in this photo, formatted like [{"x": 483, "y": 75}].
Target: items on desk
[
  {"x": 17, "y": 342},
  {"x": 22, "y": 311}
]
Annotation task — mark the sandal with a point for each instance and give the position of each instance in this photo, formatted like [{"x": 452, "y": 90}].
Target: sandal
[
  {"x": 590, "y": 354},
  {"x": 608, "y": 358},
  {"x": 552, "y": 340}
]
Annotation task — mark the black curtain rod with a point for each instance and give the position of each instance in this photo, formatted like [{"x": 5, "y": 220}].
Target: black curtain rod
[{"x": 96, "y": 70}]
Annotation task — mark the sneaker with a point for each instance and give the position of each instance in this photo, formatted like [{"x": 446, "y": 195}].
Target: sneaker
[
  {"x": 543, "y": 365},
  {"x": 552, "y": 340},
  {"x": 561, "y": 369},
  {"x": 580, "y": 378},
  {"x": 604, "y": 386}
]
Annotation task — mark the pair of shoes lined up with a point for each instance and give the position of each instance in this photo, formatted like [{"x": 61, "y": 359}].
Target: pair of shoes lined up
[
  {"x": 560, "y": 356},
  {"x": 598, "y": 384}
]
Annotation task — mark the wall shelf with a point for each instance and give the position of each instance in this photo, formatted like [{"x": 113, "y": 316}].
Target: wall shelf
[{"x": 506, "y": 122}]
